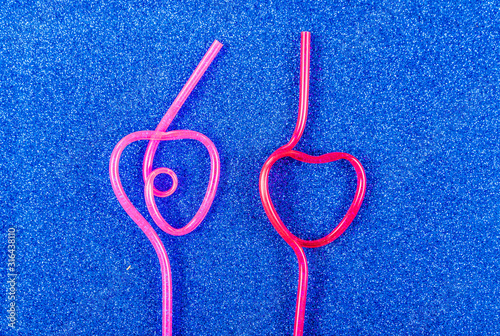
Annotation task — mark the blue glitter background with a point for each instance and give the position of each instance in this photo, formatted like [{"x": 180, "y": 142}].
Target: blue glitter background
[{"x": 409, "y": 88}]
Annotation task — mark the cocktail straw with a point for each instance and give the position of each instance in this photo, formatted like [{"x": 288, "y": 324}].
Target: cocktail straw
[
  {"x": 149, "y": 175},
  {"x": 296, "y": 243}
]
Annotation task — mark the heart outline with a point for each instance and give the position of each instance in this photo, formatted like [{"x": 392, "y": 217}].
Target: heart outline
[{"x": 351, "y": 213}]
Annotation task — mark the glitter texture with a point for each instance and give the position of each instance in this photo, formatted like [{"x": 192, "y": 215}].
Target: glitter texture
[{"x": 409, "y": 88}]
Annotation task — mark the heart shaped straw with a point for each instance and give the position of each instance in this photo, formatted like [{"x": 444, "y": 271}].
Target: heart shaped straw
[
  {"x": 296, "y": 243},
  {"x": 149, "y": 174}
]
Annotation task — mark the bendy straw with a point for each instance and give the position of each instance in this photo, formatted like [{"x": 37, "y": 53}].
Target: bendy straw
[
  {"x": 296, "y": 243},
  {"x": 154, "y": 137}
]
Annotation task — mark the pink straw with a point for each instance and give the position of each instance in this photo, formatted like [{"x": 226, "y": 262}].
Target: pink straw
[
  {"x": 149, "y": 174},
  {"x": 296, "y": 243}
]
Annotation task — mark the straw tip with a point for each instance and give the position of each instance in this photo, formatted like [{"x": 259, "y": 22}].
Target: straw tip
[{"x": 217, "y": 44}]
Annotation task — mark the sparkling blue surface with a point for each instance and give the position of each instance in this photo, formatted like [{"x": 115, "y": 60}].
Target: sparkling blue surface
[{"x": 409, "y": 88}]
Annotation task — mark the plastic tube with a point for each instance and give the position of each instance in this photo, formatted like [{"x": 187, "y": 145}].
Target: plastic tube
[
  {"x": 154, "y": 138},
  {"x": 296, "y": 243}
]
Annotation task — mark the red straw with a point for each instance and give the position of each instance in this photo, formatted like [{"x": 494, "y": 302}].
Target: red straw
[{"x": 296, "y": 243}]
